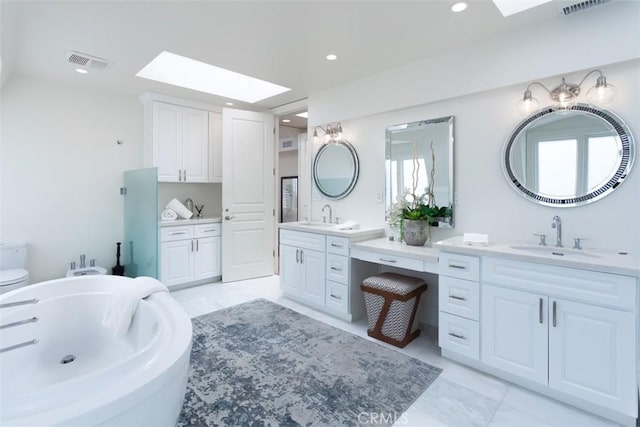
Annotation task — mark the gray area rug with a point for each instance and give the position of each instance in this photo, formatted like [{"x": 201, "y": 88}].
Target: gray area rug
[{"x": 259, "y": 363}]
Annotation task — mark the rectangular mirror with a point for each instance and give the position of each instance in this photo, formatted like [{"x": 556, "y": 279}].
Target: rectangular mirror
[{"x": 409, "y": 153}]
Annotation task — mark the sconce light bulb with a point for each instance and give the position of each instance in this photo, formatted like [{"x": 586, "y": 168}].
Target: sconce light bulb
[
  {"x": 527, "y": 104},
  {"x": 602, "y": 92}
]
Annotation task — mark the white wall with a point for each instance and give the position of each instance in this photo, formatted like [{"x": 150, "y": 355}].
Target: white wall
[
  {"x": 61, "y": 170},
  {"x": 486, "y": 202}
]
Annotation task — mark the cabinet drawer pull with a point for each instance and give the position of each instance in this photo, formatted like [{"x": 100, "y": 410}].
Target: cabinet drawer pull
[
  {"x": 336, "y": 297},
  {"x": 208, "y": 230},
  {"x": 184, "y": 174},
  {"x": 334, "y": 245},
  {"x": 555, "y": 319},
  {"x": 462, "y": 337},
  {"x": 540, "y": 311},
  {"x": 297, "y": 256},
  {"x": 197, "y": 245},
  {"x": 192, "y": 246},
  {"x": 177, "y": 233},
  {"x": 301, "y": 256},
  {"x": 388, "y": 260},
  {"x": 457, "y": 297},
  {"x": 458, "y": 267},
  {"x": 336, "y": 269}
]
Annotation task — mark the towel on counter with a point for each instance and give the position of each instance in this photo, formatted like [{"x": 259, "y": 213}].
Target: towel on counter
[
  {"x": 475, "y": 239},
  {"x": 179, "y": 208},
  {"x": 124, "y": 303},
  {"x": 168, "y": 215}
]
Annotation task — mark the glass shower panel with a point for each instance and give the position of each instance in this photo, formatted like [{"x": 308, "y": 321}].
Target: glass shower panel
[{"x": 140, "y": 246}]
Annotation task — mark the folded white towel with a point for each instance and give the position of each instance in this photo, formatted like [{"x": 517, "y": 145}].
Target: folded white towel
[
  {"x": 179, "y": 208},
  {"x": 475, "y": 239},
  {"x": 124, "y": 303},
  {"x": 168, "y": 215}
]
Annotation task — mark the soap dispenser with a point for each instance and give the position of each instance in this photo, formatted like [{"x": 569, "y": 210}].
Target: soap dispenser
[{"x": 189, "y": 204}]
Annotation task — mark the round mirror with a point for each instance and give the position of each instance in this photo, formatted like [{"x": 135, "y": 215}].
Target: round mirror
[
  {"x": 335, "y": 169},
  {"x": 559, "y": 157}
]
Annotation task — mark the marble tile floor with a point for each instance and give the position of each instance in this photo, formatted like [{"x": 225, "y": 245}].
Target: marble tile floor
[{"x": 460, "y": 397}]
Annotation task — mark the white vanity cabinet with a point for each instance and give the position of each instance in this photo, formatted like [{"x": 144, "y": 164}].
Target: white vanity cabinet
[
  {"x": 573, "y": 330},
  {"x": 316, "y": 269},
  {"x": 302, "y": 266},
  {"x": 189, "y": 254}
]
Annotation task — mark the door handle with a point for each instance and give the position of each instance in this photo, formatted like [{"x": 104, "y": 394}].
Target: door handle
[
  {"x": 555, "y": 317},
  {"x": 227, "y": 217},
  {"x": 540, "y": 310}
]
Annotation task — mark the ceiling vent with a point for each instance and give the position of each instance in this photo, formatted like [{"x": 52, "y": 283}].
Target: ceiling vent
[
  {"x": 580, "y": 6},
  {"x": 87, "y": 61}
]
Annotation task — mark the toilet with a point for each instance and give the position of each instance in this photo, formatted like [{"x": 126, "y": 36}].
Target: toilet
[{"x": 13, "y": 259}]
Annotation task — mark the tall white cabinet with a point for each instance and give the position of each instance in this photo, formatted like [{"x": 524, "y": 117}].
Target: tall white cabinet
[{"x": 183, "y": 139}]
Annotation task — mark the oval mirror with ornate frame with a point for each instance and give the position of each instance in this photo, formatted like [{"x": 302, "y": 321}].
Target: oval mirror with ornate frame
[
  {"x": 568, "y": 157},
  {"x": 335, "y": 169}
]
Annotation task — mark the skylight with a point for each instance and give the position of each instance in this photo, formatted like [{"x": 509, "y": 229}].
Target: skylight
[
  {"x": 511, "y": 7},
  {"x": 191, "y": 74}
]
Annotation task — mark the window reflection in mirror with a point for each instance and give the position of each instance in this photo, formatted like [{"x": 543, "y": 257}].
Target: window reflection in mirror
[
  {"x": 566, "y": 158},
  {"x": 409, "y": 157}
]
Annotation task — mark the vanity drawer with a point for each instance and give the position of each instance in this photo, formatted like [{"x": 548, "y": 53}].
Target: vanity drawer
[
  {"x": 338, "y": 268},
  {"x": 460, "y": 266},
  {"x": 168, "y": 234},
  {"x": 337, "y": 245},
  {"x": 459, "y": 335},
  {"x": 208, "y": 230},
  {"x": 337, "y": 297},
  {"x": 604, "y": 289},
  {"x": 303, "y": 240},
  {"x": 460, "y": 297},
  {"x": 392, "y": 260}
]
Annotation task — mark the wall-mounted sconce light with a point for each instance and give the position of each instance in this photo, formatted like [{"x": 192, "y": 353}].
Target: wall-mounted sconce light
[
  {"x": 566, "y": 93},
  {"x": 332, "y": 132}
]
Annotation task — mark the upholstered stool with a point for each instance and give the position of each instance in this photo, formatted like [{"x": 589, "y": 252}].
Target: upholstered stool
[{"x": 392, "y": 302}]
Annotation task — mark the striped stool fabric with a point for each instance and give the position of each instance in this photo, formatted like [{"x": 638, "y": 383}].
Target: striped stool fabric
[{"x": 392, "y": 302}]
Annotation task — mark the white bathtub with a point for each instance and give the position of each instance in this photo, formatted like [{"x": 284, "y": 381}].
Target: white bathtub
[{"x": 138, "y": 380}]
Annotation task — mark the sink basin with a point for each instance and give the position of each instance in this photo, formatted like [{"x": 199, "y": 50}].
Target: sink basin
[
  {"x": 316, "y": 224},
  {"x": 554, "y": 252}
]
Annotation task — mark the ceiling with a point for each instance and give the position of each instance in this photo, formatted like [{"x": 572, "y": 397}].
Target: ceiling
[{"x": 282, "y": 42}]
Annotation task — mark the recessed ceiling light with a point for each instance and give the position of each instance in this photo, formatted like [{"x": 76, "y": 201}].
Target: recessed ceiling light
[
  {"x": 192, "y": 74},
  {"x": 510, "y": 7},
  {"x": 459, "y": 6},
  {"x": 304, "y": 115},
  {"x": 332, "y": 57},
  {"x": 81, "y": 70},
  {"x": 229, "y": 103},
  {"x": 286, "y": 121}
]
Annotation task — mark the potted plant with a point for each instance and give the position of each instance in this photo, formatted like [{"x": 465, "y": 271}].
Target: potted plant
[{"x": 413, "y": 216}]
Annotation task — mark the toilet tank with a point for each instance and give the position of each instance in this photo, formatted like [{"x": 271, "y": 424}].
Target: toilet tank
[{"x": 13, "y": 256}]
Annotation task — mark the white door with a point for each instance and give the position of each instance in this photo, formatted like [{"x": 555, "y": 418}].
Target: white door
[
  {"x": 167, "y": 141},
  {"x": 248, "y": 212},
  {"x": 313, "y": 281},
  {"x": 206, "y": 261},
  {"x": 591, "y": 354},
  {"x": 290, "y": 270},
  {"x": 195, "y": 145},
  {"x": 176, "y": 262},
  {"x": 514, "y": 332}
]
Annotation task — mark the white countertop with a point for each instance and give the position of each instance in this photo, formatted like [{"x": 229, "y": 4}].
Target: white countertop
[
  {"x": 385, "y": 246},
  {"x": 192, "y": 221},
  {"x": 587, "y": 259},
  {"x": 359, "y": 234}
]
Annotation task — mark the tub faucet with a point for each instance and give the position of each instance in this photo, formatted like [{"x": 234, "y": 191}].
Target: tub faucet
[
  {"x": 82, "y": 261},
  {"x": 330, "y": 214},
  {"x": 557, "y": 224}
]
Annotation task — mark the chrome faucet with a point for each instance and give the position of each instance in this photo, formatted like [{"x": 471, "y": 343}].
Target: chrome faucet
[
  {"x": 557, "y": 224},
  {"x": 330, "y": 213}
]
